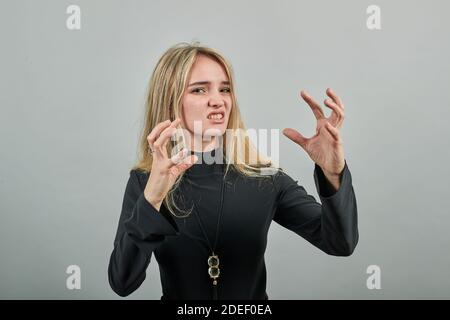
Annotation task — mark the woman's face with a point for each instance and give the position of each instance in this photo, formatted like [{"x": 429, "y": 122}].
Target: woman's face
[{"x": 206, "y": 101}]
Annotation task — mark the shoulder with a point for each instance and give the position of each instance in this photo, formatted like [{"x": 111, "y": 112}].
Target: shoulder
[
  {"x": 139, "y": 175},
  {"x": 278, "y": 178},
  {"x": 288, "y": 187},
  {"x": 281, "y": 179}
]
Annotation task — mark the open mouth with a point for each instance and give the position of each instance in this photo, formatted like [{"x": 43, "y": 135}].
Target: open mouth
[{"x": 216, "y": 117}]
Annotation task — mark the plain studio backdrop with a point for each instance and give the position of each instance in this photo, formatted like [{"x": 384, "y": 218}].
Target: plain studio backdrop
[{"x": 72, "y": 105}]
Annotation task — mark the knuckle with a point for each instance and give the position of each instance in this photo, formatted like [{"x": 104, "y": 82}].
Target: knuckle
[{"x": 169, "y": 133}]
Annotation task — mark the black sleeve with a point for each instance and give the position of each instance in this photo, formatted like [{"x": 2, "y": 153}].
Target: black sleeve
[
  {"x": 141, "y": 229},
  {"x": 331, "y": 226}
]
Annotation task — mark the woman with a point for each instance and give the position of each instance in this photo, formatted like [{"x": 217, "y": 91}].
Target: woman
[{"x": 207, "y": 221}]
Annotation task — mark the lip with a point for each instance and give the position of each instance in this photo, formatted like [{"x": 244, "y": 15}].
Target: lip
[
  {"x": 216, "y": 111},
  {"x": 217, "y": 120}
]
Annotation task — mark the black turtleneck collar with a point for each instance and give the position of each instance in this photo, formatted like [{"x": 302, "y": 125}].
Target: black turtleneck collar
[{"x": 209, "y": 162}]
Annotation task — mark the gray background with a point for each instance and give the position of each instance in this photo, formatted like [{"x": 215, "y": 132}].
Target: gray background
[{"x": 72, "y": 107}]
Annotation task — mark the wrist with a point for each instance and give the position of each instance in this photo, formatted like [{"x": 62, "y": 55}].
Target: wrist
[
  {"x": 155, "y": 202},
  {"x": 333, "y": 175},
  {"x": 332, "y": 180}
]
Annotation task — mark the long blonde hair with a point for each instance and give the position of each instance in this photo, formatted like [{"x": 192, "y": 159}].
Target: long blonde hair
[{"x": 164, "y": 96}]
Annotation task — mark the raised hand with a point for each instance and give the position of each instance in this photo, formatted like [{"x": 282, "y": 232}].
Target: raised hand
[
  {"x": 325, "y": 147},
  {"x": 165, "y": 170}
]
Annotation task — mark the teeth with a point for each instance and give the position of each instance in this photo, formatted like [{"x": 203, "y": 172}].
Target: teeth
[{"x": 216, "y": 116}]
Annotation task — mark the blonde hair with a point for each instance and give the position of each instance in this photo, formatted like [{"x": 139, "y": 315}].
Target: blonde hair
[{"x": 164, "y": 96}]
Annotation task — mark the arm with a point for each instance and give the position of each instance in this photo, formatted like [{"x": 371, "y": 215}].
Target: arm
[
  {"x": 331, "y": 226},
  {"x": 141, "y": 229}
]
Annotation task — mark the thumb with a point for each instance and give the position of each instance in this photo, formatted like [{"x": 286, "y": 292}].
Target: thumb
[
  {"x": 185, "y": 164},
  {"x": 295, "y": 136}
]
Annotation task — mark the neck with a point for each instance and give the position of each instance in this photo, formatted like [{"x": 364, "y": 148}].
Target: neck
[{"x": 200, "y": 145}]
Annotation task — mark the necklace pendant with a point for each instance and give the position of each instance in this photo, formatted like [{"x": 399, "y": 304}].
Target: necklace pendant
[{"x": 213, "y": 270}]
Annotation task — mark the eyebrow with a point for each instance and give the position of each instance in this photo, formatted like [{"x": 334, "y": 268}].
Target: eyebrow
[{"x": 206, "y": 82}]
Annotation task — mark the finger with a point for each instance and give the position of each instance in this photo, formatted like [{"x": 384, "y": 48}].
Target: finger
[
  {"x": 176, "y": 122},
  {"x": 184, "y": 165},
  {"x": 337, "y": 117},
  {"x": 163, "y": 138},
  {"x": 178, "y": 157},
  {"x": 295, "y": 136},
  {"x": 333, "y": 131},
  {"x": 317, "y": 110},
  {"x": 154, "y": 134},
  {"x": 174, "y": 125},
  {"x": 335, "y": 98}
]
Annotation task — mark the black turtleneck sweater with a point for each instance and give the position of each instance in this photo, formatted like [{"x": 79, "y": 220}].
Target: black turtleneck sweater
[{"x": 249, "y": 205}]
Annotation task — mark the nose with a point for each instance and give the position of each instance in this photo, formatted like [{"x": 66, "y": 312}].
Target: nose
[{"x": 216, "y": 100}]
